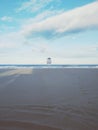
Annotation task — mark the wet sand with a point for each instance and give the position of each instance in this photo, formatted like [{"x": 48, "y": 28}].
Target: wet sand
[{"x": 49, "y": 99}]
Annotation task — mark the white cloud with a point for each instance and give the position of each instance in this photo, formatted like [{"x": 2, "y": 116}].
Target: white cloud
[
  {"x": 7, "y": 18},
  {"x": 48, "y": 24},
  {"x": 79, "y": 19},
  {"x": 11, "y": 40},
  {"x": 41, "y": 16},
  {"x": 64, "y": 52},
  {"x": 35, "y": 5}
]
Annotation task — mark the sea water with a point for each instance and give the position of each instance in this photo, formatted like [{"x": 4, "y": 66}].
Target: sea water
[{"x": 48, "y": 66}]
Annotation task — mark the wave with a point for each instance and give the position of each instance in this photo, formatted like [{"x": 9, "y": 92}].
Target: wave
[{"x": 11, "y": 66}]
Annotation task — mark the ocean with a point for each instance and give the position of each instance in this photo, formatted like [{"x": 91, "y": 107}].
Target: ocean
[{"x": 48, "y": 66}]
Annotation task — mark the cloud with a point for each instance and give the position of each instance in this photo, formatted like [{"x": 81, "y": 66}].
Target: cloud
[
  {"x": 42, "y": 16},
  {"x": 11, "y": 40},
  {"x": 7, "y": 18},
  {"x": 76, "y": 52},
  {"x": 73, "y": 21},
  {"x": 36, "y": 5}
]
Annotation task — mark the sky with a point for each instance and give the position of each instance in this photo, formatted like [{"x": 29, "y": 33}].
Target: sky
[{"x": 33, "y": 30}]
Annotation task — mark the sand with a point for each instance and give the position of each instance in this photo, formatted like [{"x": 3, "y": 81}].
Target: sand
[{"x": 49, "y": 99}]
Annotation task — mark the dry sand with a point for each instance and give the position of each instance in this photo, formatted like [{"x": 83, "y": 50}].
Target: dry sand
[{"x": 49, "y": 99}]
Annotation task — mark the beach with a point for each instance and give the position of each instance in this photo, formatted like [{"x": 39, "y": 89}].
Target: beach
[{"x": 49, "y": 99}]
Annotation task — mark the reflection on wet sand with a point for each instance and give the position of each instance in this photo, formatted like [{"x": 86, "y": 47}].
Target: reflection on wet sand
[
  {"x": 16, "y": 71},
  {"x": 49, "y": 99}
]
